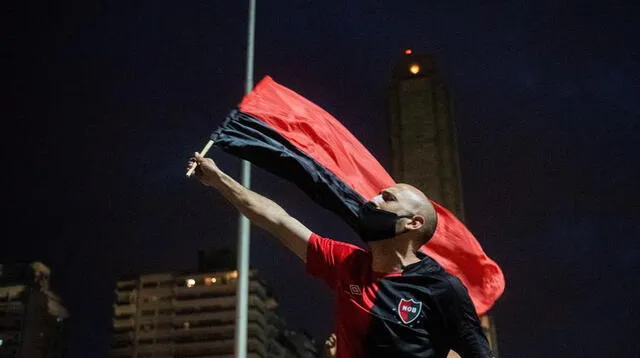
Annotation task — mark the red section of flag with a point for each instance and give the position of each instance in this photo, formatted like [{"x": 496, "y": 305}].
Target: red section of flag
[
  {"x": 458, "y": 251},
  {"x": 322, "y": 137},
  {"x": 317, "y": 133}
]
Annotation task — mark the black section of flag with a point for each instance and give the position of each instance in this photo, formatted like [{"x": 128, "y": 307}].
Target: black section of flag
[{"x": 249, "y": 138}]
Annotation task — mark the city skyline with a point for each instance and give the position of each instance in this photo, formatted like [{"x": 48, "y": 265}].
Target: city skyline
[
  {"x": 33, "y": 318},
  {"x": 193, "y": 313}
]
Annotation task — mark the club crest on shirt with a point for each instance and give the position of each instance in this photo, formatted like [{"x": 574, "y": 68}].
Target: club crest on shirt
[{"x": 408, "y": 310}]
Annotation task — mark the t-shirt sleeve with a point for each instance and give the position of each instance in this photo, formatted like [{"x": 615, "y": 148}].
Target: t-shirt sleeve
[
  {"x": 468, "y": 338},
  {"x": 329, "y": 259}
]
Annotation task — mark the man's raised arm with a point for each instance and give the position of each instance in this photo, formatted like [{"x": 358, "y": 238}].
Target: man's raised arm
[{"x": 258, "y": 209}]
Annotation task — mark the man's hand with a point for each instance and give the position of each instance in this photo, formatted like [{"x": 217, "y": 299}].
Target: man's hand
[
  {"x": 330, "y": 346},
  {"x": 206, "y": 171}
]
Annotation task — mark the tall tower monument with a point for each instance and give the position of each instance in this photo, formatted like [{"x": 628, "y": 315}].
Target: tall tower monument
[
  {"x": 423, "y": 137},
  {"x": 424, "y": 149}
]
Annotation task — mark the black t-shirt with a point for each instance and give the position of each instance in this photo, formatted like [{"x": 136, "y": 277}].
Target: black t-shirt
[{"x": 421, "y": 311}]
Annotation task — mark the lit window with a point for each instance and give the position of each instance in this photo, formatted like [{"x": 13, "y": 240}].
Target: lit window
[
  {"x": 191, "y": 282},
  {"x": 186, "y": 325},
  {"x": 210, "y": 280},
  {"x": 414, "y": 69},
  {"x": 233, "y": 274}
]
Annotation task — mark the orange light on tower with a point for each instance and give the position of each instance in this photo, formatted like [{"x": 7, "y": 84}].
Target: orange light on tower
[
  {"x": 408, "y": 51},
  {"x": 414, "y": 69}
]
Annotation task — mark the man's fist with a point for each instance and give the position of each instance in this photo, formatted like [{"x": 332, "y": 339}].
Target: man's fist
[
  {"x": 206, "y": 170},
  {"x": 330, "y": 346}
]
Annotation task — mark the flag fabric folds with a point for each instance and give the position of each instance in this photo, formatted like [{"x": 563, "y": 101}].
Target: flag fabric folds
[{"x": 284, "y": 133}]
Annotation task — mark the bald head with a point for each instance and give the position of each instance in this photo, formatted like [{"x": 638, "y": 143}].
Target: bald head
[
  {"x": 412, "y": 193},
  {"x": 410, "y": 200}
]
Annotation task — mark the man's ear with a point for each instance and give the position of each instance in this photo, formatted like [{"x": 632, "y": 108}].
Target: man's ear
[{"x": 416, "y": 223}]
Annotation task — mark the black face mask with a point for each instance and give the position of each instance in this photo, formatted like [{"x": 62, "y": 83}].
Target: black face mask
[{"x": 375, "y": 224}]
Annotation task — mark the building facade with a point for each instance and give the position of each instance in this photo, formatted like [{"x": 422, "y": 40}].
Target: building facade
[
  {"x": 193, "y": 315},
  {"x": 424, "y": 149},
  {"x": 32, "y": 317}
]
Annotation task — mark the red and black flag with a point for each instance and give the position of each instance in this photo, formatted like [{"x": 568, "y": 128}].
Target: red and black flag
[{"x": 283, "y": 133}]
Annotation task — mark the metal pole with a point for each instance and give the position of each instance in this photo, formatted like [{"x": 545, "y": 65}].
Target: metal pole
[{"x": 244, "y": 239}]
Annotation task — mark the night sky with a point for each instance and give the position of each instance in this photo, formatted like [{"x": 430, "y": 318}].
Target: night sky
[{"x": 104, "y": 101}]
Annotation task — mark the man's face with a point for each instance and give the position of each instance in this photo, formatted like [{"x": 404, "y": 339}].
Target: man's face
[{"x": 400, "y": 199}]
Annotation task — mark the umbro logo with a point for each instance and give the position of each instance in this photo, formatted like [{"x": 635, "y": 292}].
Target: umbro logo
[{"x": 355, "y": 290}]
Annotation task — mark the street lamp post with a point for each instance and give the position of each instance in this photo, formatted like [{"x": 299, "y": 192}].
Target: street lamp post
[{"x": 244, "y": 239}]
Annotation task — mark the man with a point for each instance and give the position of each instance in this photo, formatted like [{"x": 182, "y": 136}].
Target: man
[{"x": 392, "y": 301}]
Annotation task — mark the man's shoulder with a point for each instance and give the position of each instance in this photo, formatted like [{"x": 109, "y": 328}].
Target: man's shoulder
[
  {"x": 441, "y": 282},
  {"x": 340, "y": 250},
  {"x": 326, "y": 241},
  {"x": 456, "y": 286}
]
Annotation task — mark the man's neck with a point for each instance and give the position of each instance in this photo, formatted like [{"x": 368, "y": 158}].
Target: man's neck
[{"x": 392, "y": 255}]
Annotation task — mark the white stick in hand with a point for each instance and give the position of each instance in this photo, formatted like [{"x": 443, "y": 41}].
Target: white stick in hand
[{"x": 202, "y": 153}]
